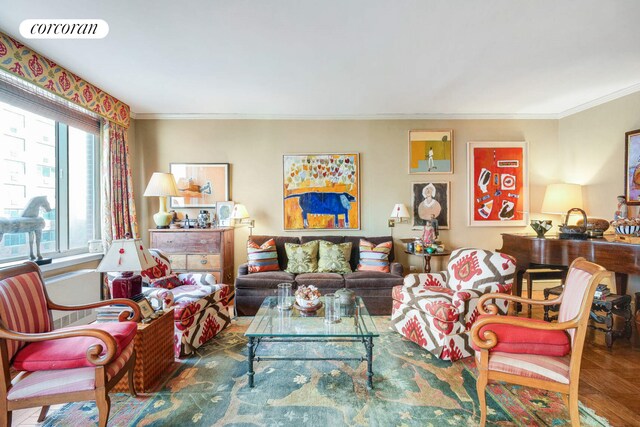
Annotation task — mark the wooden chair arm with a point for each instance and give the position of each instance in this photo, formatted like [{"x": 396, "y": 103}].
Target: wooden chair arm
[
  {"x": 125, "y": 316},
  {"x": 493, "y": 309},
  {"x": 490, "y": 339},
  {"x": 93, "y": 352}
]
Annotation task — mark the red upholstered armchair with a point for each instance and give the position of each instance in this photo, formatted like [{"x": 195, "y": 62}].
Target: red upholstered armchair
[
  {"x": 66, "y": 365},
  {"x": 534, "y": 353},
  {"x": 437, "y": 310}
]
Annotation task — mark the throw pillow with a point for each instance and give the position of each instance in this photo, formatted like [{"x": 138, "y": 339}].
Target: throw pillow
[
  {"x": 262, "y": 258},
  {"x": 334, "y": 258},
  {"x": 374, "y": 258},
  {"x": 167, "y": 282},
  {"x": 302, "y": 258}
]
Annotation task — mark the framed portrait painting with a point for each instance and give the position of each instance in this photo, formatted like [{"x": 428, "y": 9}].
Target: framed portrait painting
[
  {"x": 430, "y": 151},
  {"x": 632, "y": 167},
  {"x": 430, "y": 200},
  {"x": 223, "y": 212},
  {"x": 200, "y": 185},
  {"x": 321, "y": 191},
  {"x": 498, "y": 184}
]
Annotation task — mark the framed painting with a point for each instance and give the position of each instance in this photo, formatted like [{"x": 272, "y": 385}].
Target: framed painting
[
  {"x": 430, "y": 151},
  {"x": 200, "y": 185},
  {"x": 430, "y": 200},
  {"x": 632, "y": 167},
  {"x": 223, "y": 212},
  {"x": 321, "y": 191},
  {"x": 498, "y": 184}
]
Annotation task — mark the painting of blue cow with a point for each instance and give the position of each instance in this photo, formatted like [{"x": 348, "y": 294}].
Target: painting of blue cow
[
  {"x": 321, "y": 191},
  {"x": 335, "y": 204}
]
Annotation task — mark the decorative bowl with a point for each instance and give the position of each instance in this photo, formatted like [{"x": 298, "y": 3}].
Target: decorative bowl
[
  {"x": 306, "y": 303},
  {"x": 307, "y": 296},
  {"x": 628, "y": 229},
  {"x": 541, "y": 226}
]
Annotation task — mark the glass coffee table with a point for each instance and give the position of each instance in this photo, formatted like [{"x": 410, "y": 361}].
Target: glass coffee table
[{"x": 292, "y": 326}]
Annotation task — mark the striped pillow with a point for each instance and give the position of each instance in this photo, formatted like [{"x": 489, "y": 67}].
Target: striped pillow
[
  {"x": 262, "y": 258},
  {"x": 374, "y": 258}
]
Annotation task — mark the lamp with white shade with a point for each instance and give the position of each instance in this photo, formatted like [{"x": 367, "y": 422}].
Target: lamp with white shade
[
  {"x": 399, "y": 214},
  {"x": 240, "y": 215},
  {"x": 162, "y": 185},
  {"x": 126, "y": 256},
  {"x": 560, "y": 198}
]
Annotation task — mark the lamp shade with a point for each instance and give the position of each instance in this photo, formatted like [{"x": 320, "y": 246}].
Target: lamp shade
[
  {"x": 399, "y": 211},
  {"x": 127, "y": 255},
  {"x": 161, "y": 184},
  {"x": 239, "y": 212},
  {"x": 559, "y": 198}
]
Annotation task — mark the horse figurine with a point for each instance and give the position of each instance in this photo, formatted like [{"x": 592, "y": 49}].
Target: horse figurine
[{"x": 29, "y": 222}]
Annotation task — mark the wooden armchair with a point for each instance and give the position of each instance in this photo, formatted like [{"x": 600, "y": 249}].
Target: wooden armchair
[
  {"x": 67, "y": 365},
  {"x": 534, "y": 353}
]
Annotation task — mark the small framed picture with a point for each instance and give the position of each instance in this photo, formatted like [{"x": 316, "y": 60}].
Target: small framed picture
[
  {"x": 223, "y": 211},
  {"x": 632, "y": 167},
  {"x": 145, "y": 308}
]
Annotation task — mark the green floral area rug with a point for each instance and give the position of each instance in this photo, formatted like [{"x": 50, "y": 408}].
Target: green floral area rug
[{"x": 411, "y": 388}]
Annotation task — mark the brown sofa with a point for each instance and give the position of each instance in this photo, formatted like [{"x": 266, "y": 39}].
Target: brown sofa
[{"x": 374, "y": 287}]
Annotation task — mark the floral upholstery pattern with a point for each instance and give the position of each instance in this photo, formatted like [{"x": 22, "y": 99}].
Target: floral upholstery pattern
[
  {"x": 437, "y": 310},
  {"x": 201, "y": 307}
]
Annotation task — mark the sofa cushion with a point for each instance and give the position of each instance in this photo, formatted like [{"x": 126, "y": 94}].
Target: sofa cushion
[
  {"x": 302, "y": 258},
  {"x": 167, "y": 282},
  {"x": 334, "y": 258},
  {"x": 266, "y": 279},
  {"x": 262, "y": 257},
  {"x": 434, "y": 301},
  {"x": 521, "y": 340},
  {"x": 161, "y": 269},
  {"x": 70, "y": 353},
  {"x": 374, "y": 257},
  {"x": 371, "y": 279},
  {"x": 190, "y": 300},
  {"x": 321, "y": 280},
  {"x": 280, "y": 242}
]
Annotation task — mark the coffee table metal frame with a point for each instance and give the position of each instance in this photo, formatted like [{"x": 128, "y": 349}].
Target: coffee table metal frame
[{"x": 263, "y": 329}]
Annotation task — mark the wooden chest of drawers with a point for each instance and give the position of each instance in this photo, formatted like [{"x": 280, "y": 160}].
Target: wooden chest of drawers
[{"x": 207, "y": 250}]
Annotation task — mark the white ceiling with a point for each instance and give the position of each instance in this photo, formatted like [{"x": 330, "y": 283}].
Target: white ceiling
[{"x": 350, "y": 58}]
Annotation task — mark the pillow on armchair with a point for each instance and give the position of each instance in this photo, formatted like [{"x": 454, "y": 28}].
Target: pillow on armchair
[{"x": 167, "y": 282}]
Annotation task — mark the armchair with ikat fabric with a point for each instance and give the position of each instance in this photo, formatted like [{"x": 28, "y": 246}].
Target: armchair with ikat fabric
[
  {"x": 437, "y": 310},
  {"x": 201, "y": 307}
]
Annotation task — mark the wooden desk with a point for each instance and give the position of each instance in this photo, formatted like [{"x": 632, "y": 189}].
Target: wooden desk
[
  {"x": 154, "y": 354},
  {"x": 426, "y": 258},
  {"x": 531, "y": 251}
]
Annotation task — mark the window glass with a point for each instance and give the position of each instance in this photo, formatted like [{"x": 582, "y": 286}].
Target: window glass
[{"x": 41, "y": 157}]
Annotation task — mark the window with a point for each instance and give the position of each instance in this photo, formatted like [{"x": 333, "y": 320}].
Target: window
[{"x": 44, "y": 157}]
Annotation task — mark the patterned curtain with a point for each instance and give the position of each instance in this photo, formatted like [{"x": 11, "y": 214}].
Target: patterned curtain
[{"x": 118, "y": 207}]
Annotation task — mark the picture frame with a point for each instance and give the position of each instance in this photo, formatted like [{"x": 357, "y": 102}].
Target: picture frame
[
  {"x": 438, "y": 205},
  {"x": 223, "y": 213},
  {"x": 321, "y": 191},
  {"x": 146, "y": 309},
  {"x": 201, "y": 185},
  {"x": 632, "y": 167},
  {"x": 430, "y": 152},
  {"x": 498, "y": 183}
]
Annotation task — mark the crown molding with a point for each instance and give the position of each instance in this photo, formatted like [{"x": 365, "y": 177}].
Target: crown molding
[
  {"x": 599, "y": 101},
  {"x": 391, "y": 116}
]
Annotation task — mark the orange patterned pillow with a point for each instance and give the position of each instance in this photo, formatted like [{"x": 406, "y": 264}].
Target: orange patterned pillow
[
  {"x": 374, "y": 258},
  {"x": 262, "y": 258}
]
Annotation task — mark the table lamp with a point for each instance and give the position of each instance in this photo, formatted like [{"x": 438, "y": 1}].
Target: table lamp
[
  {"x": 399, "y": 214},
  {"x": 560, "y": 198},
  {"x": 240, "y": 215},
  {"x": 126, "y": 256},
  {"x": 162, "y": 185}
]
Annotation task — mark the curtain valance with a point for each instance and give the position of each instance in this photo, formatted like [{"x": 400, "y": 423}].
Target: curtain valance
[{"x": 23, "y": 62}]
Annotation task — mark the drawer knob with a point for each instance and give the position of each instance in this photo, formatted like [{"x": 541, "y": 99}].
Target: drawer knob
[
  {"x": 203, "y": 261},
  {"x": 169, "y": 241}
]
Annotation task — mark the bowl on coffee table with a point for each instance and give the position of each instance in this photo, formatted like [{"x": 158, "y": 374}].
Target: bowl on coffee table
[{"x": 308, "y": 298}]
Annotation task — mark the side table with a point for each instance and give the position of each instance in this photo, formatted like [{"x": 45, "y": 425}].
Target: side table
[
  {"x": 154, "y": 354},
  {"x": 426, "y": 258}
]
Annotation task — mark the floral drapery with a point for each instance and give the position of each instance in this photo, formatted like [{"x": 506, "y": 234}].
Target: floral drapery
[
  {"x": 118, "y": 207},
  {"x": 21, "y": 61}
]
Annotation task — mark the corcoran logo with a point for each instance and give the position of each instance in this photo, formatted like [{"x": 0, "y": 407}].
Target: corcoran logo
[{"x": 64, "y": 28}]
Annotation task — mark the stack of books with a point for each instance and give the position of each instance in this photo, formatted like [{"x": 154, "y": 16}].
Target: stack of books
[
  {"x": 601, "y": 292},
  {"x": 110, "y": 313}
]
